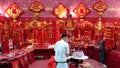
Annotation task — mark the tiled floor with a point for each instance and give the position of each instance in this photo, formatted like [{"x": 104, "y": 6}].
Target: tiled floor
[{"x": 39, "y": 64}]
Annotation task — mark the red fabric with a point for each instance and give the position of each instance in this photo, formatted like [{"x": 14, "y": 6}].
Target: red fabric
[
  {"x": 22, "y": 61},
  {"x": 57, "y": 34},
  {"x": 15, "y": 64},
  {"x": 2, "y": 19},
  {"x": 5, "y": 47},
  {"x": 109, "y": 43},
  {"x": 26, "y": 61},
  {"x": 51, "y": 63},
  {"x": 31, "y": 57}
]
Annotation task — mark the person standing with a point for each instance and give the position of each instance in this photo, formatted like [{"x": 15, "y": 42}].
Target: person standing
[
  {"x": 62, "y": 52},
  {"x": 102, "y": 51}
]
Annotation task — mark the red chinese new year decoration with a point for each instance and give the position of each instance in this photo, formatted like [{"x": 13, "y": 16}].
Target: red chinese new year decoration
[
  {"x": 86, "y": 29},
  {"x": 36, "y": 6},
  {"x": 117, "y": 27},
  {"x": 51, "y": 62},
  {"x": 117, "y": 34},
  {"x": 86, "y": 25},
  {"x": 98, "y": 30},
  {"x": 35, "y": 25},
  {"x": 109, "y": 35},
  {"x": 14, "y": 10},
  {"x": 1, "y": 25},
  {"x": 70, "y": 25},
  {"x": 2, "y": 19},
  {"x": 60, "y": 11},
  {"x": 100, "y": 7},
  {"x": 81, "y": 10}
]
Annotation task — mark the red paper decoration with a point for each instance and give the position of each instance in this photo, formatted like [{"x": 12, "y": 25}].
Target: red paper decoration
[
  {"x": 81, "y": 10},
  {"x": 100, "y": 6},
  {"x": 36, "y": 6},
  {"x": 86, "y": 29},
  {"x": 109, "y": 35},
  {"x": 109, "y": 31},
  {"x": 14, "y": 10},
  {"x": 60, "y": 11},
  {"x": 86, "y": 26}
]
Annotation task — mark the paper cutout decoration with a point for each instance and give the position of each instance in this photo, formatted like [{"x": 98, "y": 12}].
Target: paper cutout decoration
[
  {"x": 14, "y": 10},
  {"x": 60, "y": 11},
  {"x": 81, "y": 10}
]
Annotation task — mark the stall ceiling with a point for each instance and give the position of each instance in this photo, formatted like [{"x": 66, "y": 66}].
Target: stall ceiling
[{"x": 112, "y": 11}]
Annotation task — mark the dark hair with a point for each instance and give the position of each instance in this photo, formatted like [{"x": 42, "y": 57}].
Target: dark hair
[{"x": 63, "y": 35}]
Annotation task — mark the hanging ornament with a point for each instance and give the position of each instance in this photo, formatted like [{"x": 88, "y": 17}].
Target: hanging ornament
[
  {"x": 81, "y": 10},
  {"x": 36, "y": 7},
  {"x": 60, "y": 11},
  {"x": 100, "y": 7},
  {"x": 35, "y": 24},
  {"x": 109, "y": 35},
  {"x": 14, "y": 11}
]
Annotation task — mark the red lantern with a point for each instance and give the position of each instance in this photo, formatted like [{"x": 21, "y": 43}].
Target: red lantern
[{"x": 109, "y": 35}]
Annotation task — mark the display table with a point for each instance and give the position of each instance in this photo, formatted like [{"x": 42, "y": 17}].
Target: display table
[
  {"x": 80, "y": 58},
  {"x": 17, "y": 59},
  {"x": 112, "y": 56},
  {"x": 45, "y": 52},
  {"x": 77, "y": 57}
]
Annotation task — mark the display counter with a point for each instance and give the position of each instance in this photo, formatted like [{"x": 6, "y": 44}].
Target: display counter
[
  {"x": 45, "y": 52},
  {"x": 112, "y": 59},
  {"x": 17, "y": 59}
]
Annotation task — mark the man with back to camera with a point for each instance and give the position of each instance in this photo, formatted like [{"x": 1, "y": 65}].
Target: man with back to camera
[{"x": 62, "y": 52}]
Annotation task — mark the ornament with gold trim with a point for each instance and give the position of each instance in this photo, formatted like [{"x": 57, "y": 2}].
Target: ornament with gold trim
[
  {"x": 14, "y": 10},
  {"x": 100, "y": 7},
  {"x": 60, "y": 11},
  {"x": 81, "y": 10},
  {"x": 86, "y": 26},
  {"x": 36, "y": 6},
  {"x": 109, "y": 30},
  {"x": 35, "y": 23}
]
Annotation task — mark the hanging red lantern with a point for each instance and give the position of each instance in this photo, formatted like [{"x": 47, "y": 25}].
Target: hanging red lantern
[
  {"x": 109, "y": 35},
  {"x": 86, "y": 26}
]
